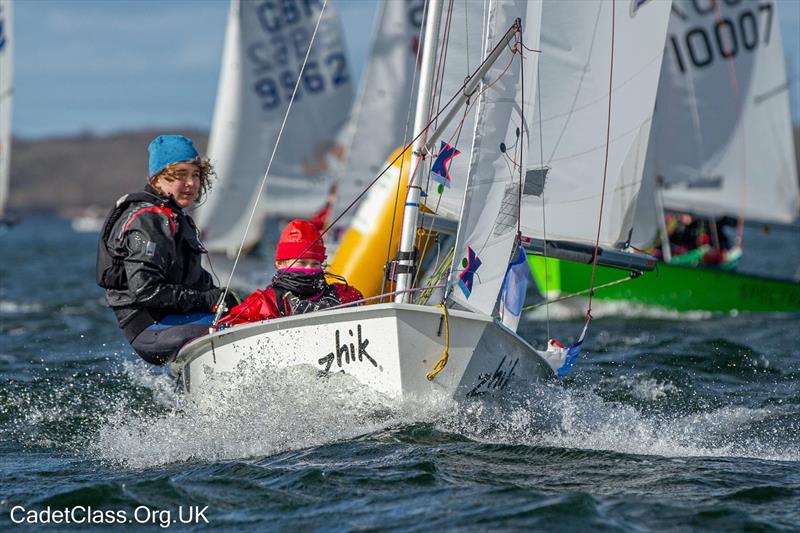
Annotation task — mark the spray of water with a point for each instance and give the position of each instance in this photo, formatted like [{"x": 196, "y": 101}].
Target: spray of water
[{"x": 268, "y": 411}]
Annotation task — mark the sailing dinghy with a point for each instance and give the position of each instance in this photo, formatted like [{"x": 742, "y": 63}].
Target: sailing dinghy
[
  {"x": 459, "y": 348},
  {"x": 721, "y": 145}
]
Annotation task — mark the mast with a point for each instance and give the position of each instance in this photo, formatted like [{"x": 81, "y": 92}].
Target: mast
[
  {"x": 424, "y": 145},
  {"x": 405, "y": 264}
]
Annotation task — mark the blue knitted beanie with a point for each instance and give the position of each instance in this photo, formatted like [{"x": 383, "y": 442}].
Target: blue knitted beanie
[{"x": 168, "y": 149}]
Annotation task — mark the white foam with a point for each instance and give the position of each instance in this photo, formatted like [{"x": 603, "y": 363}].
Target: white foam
[
  {"x": 296, "y": 408},
  {"x": 575, "y": 309},
  {"x": 11, "y": 307},
  {"x": 283, "y": 409},
  {"x": 582, "y": 420},
  {"x": 644, "y": 388}
]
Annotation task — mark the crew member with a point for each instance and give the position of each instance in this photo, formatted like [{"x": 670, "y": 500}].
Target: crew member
[
  {"x": 299, "y": 286},
  {"x": 149, "y": 255}
]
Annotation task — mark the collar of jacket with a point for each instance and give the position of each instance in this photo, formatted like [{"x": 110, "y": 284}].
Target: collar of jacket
[{"x": 167, "y": 201}]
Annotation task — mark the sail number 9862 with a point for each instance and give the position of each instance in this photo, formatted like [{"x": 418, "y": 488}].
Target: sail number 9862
[{"x": 317, "y": 76}]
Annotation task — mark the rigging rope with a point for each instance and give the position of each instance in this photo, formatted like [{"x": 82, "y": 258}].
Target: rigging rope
[
  {"x": 544, "y": 205},
  {"x": 442, "y": 362},
  {"x": 220, "y": 307},
  {"x": 605, "y": 163},
  {"x": 546, "y": 302},
  {"x": 738, "y": 98}
]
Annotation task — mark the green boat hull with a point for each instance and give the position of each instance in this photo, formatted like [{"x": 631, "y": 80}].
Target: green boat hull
[{"x": 674, "y": 287}]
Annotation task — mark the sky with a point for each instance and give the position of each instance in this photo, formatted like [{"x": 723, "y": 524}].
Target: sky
[{"x": 100, "y": 66}]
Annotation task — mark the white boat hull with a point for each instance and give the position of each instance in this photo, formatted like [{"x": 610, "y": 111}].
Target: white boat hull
[{"x": 388, "y": 347}]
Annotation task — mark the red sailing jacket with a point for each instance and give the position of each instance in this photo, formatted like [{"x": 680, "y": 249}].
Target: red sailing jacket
[{"x": 265, "y": 304}]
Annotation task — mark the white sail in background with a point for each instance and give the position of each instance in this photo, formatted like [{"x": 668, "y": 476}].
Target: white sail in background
[
  {"x": 467, "y": 35},
  {"x": 574, "y": 74},
  {"x": 265, "y": 45},
  {"x": 722, "y": 128},
  {"x": 378, "y": 123},
  {"x": 489, "y": 217},
  {"x": 6, "y": 90}
]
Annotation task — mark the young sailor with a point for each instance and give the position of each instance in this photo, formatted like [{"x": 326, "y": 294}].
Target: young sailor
[
  {"x": 149, "y": 254},
  {"x": 299, "y": 286}
]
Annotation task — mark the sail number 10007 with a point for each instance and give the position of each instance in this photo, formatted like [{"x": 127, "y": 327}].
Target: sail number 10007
[{"x": 730, "y": 35}]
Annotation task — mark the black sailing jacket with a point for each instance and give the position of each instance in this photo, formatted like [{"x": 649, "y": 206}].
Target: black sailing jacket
[{"x": 162, "y": 254}]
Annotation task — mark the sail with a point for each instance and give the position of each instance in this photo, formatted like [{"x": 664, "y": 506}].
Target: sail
[
  {"x": 378, "y": 123},
  {"x": 6, "y": 89},
  {"x": 729, "y": 149},
  {"x": 488, "y": 224},
  {"x": 265, "y": 44},
  {"x": 564, "y": 178},
  {"x": 463, "y": 42}
]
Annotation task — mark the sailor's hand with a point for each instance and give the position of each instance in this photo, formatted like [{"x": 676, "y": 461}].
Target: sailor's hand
[
  {"x": 328, "y": 301},
  {"x": 231, "y": 299},
  {"x": 296, "y": 305},
  {"x": 212, "y": 297}
]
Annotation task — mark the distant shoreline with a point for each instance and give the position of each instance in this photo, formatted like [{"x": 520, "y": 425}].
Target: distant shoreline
[{"x": 67, "y": 175}]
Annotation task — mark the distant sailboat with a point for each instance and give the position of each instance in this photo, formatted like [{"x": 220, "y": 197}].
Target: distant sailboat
[
  {"x": 6, "y": 94},
  {"x": 721, "y": 145},
  {"x": 261, "y": 59}
]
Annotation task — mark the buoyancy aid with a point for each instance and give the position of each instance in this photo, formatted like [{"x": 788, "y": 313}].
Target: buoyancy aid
[{"x": 110, "y": 266}]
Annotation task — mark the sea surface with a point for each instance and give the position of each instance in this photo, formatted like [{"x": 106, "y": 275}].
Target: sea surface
[{"x": 670, "y": 423}]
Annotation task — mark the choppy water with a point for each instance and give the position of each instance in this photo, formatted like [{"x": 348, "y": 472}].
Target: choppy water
[{"x": 672, "y": 422}]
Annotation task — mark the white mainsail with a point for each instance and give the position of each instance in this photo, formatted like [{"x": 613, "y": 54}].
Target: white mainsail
[
  {"x": 489, "y": 217},
  {"x": 264, "y": 50},
  {"x": 378, "y": 122},
  {"x": 6, "y": 90},
  {"x": 574, "y": 68},
  {"x": 722, "y": 132}
]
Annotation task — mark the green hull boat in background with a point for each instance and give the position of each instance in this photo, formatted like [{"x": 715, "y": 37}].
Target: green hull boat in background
[{"x": 670, "y": 286}]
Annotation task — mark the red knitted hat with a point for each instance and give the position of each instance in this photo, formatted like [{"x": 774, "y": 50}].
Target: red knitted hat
[{"x": 300, "y": 240}]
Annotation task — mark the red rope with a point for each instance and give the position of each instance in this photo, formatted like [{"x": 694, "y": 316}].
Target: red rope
[
  {"x": 605, "y": 164},
  {"x": 738, "y": 98}
]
